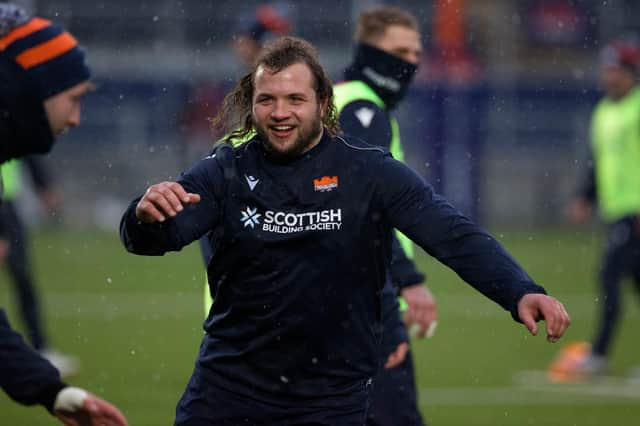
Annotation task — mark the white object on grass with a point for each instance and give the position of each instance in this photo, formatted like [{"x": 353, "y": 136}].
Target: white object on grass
[{"x": 70, "y": 399}]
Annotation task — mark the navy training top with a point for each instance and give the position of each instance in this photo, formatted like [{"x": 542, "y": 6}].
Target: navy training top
[{"x": 301, "y": 253}]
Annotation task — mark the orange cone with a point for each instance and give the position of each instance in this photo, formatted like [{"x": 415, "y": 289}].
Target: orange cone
[{"x": 566, "y": 367}]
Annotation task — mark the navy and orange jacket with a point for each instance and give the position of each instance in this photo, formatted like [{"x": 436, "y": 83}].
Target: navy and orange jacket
[
  {"x": 24, "y": 374},
  {"x": 302, "y": 251}
]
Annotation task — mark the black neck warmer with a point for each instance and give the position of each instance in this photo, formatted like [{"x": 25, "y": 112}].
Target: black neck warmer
[{"x": 388, "y": 75}]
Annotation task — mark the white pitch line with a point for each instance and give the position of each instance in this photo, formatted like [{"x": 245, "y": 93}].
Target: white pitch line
[
  {"x": 533, "y": 388},
  {"x": 511, "y": 396},
  {"x": 604, "y": 386}
]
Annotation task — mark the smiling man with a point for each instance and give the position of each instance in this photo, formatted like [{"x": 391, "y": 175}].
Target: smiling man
[
  {"x": 293, "y": 336},
  {"x": 291, "y": 124}
]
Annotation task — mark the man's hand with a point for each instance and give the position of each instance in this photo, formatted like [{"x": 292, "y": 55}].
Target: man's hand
[
  {"x": 533, "y": 307},
  {"x": 162, "y": 200},
  {"x": 77, "y": 407},
  {"x": 422, "y": 307},
  {"x": 396, "y": 357}
]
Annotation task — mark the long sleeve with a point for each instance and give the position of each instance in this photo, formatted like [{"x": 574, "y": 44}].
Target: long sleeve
[
  {"x": 435, "y": 225},
  {"x": 24, "y": 375},
  {"x": 403, "y": 271},
  {"x": 393, "y": 332},
  {"x": 367, "y": 121},
  {"x": 155, "y": 239}
]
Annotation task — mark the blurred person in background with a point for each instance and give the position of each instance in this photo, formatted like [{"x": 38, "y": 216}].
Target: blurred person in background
[
  {"x": 303, "y": 249},
  {"x": 17, "y": 259},
  {"x": 269, "y": 20},
  {"x": 43, "y": 76},
  {"x": 387, "y": 52},
  {"x": 613, "y": 184}
]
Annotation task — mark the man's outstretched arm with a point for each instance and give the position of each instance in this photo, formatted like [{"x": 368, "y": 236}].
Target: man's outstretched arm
[{"x": 478, "y": 258}]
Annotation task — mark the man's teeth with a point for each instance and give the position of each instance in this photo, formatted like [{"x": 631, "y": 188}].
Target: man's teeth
[{"x": 283, "y": 127}]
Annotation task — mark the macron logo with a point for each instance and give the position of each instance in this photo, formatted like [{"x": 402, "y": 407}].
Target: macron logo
[
  {"x": 251, "y": 181},
  {"x": 250, "y": 217},
  {"x": 365, "y": 115},
  {"x": 381, "y": 80}
]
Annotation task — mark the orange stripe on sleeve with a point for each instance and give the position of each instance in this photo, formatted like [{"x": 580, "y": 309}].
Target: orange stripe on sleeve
[
  {"x": 22, "y": 31},
  {"x": 46, "y": 51}
]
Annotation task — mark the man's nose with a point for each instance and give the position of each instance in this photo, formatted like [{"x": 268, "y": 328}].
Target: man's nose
[
  {"x": 280, "y": 110},
  {"x": 412, "y": 58},
  {"x": 74, "y": 118}
]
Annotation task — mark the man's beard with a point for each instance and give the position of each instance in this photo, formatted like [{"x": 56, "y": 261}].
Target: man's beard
[{"x": 306, "y": 136}]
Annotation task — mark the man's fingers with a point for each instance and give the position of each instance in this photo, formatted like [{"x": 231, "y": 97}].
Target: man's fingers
[
  {"x": 551, "y": 315},
  {"x": 540, "y": 306},
  {"x": 147, "y": 212},
  {"x": 174, "y": 201},
  {"x": 414, "y": 319},
  {"x": 397, "y": 356},
  {"x": 432, "y": 329},
  {"x": 179, "y": 191},
  {"x": 165, "y": 199},
  {"x": 414, "y": 330},
  {"x": 420, "y": 318},
  {"x": 192, "y": 198},
  {"x": 161, "y": 202},
  {"x": 183, "y": 196},
  {"x": 561, "y": 322},
  {"x": 409, "y": 317},
  {"x": 177, "y": 196},
  {"x": 423, "y": 315},
  {"x": 103, "y": 412},
  {"x": 421, "y": 309},
  {"x": 392, "y": 361},
  {"x": 92, "y": 411},
  {"x": 528, "y": 320}
]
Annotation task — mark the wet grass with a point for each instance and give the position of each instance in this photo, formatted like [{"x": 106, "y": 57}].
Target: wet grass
[{"x": 135, "y": 322}]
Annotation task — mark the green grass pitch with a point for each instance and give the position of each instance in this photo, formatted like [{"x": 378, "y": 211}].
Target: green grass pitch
[{"x": 135, "y": 323}]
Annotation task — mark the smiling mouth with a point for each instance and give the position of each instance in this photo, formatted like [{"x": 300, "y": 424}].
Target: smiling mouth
[{"x": 282, "y": 130}]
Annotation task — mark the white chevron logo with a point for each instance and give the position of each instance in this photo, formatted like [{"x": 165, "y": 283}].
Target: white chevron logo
[
  {"x": 251, "y": 181},
  {"x": 365, "y": 115}
]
